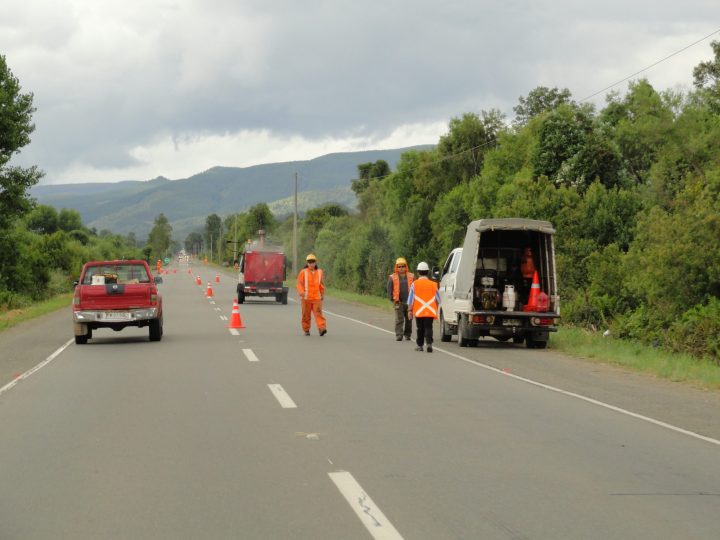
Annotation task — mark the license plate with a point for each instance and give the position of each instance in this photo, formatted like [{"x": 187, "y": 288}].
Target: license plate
[
  {"x": 263, "y": 291},
  {"x": 119, "y": 316},
  {"x": 512, "y": 322}
]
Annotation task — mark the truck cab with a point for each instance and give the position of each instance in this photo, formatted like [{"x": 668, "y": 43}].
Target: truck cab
[{"x": 501, "y": 283}]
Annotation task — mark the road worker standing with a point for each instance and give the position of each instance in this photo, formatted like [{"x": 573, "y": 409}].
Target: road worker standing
[
  {"x": 311, "y": 289},
  {"x": 398, "y": 288},
  {"x": 423, "y": 302}
]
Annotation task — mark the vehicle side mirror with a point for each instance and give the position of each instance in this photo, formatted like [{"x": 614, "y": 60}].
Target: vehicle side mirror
[
  {"x": 75, "y": 283},
  {"x": 436, "y": 273},
  {"x": 158, "y": 280}
]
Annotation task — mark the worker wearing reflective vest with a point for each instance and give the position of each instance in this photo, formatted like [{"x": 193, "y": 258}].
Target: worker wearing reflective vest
[
  {"x": 311, "y": 289},
  {"x": 398, "y": 289},
  {"x": 423, "y": 302}
]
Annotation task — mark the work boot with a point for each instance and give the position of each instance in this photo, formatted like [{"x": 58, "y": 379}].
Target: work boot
[
  {"x": 307, "y": 333},
  {"x": 398, "y": 338},
  {"x": 429, "y": 348},
  {"x": 323, "y": 332},
  {"x": 419, "y": 348},
  {"x": 407, "y": 338}
]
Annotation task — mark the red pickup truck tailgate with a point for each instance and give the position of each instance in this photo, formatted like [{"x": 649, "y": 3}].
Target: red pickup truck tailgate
[{"x": 121, "y": 297}]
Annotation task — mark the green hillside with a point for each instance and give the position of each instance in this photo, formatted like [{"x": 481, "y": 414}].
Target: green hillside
[{"x": 132, "y": 206}]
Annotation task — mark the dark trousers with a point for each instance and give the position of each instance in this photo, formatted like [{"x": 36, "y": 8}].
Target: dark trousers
[
  {"x": 403, "y": 325},
  {"x": 424, "y": 330}
]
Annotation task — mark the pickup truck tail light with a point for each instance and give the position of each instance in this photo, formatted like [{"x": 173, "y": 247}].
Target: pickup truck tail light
[
  {"x": 76, "y": 297},
  {"x": 153, "y": 295}
]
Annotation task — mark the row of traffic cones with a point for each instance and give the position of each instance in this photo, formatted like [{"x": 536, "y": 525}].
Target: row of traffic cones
[{"x": 235, "y": 319}]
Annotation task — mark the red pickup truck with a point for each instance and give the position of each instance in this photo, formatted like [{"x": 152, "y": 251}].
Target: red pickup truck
[{"x": 116, "y": 294}]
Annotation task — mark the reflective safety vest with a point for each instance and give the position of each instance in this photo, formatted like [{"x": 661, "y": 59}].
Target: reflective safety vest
[
  {"x": 396, "y": 284},
  {"x": 424, "y": 298},
  {"x": 310, "y": 284}
]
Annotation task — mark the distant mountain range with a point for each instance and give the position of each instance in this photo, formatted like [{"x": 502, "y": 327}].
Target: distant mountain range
[{"x": 131, "y": 206}]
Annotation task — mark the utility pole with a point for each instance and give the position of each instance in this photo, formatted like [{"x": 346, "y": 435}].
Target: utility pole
[
  {"x": 211, "y": 248},
  {"x": 295, "y": 216}
]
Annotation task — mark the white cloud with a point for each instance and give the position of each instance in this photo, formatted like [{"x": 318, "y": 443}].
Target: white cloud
[{"x": 173, "y": 157}]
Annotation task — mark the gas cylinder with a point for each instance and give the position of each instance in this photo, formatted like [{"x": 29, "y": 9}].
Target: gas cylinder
[{"x": 508, "y": 301}]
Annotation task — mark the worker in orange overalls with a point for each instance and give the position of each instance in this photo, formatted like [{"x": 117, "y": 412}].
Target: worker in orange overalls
[
  {"x": 159, "y": 266},
  {"x": 311, "y": 289},
  {"x": 398, "y": 288},
  {"x": 423, "y": 302},
  {"x": 527, "y": 269}
]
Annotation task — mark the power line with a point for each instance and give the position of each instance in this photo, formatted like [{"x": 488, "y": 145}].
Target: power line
[
  {"x": 650, "y": 66},
  {"x": 494, "y": 139}
]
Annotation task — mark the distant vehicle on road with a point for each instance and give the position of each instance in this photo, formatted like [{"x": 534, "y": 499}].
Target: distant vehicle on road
[
  {"x": 261, "y": 272},
  {"x": 116, "y": 294}
]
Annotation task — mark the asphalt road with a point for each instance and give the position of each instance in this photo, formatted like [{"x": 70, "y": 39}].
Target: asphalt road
[{"x": 271, "y": 434}]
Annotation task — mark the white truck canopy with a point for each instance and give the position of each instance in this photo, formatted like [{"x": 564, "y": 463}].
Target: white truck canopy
[{"x": 466, "y": 270}]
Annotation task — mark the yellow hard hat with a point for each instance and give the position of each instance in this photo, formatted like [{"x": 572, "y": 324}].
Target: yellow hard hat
[
  {"x": 311, "y": 257},
  {"x": 400, "y": 260}
]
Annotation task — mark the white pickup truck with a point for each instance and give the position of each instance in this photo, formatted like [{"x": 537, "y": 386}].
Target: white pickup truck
[{"x": 486, "y": 290}]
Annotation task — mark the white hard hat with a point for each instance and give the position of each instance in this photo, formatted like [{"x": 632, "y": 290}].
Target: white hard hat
[{"x": 423, "y": 266}]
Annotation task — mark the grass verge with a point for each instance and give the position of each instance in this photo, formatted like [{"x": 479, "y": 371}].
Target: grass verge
[
  {"x": 364, "y": 299},
  {"x": 637, "y": 356},
  {"x": 12, "y": 317}
]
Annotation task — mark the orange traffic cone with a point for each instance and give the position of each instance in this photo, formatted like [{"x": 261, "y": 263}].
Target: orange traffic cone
[
  {"x": 217, "y": 278},
  {"x": 235, "y": 320},
  {"x": 209, "y": 292},
  {"x": 198, "y": 280},
  {"x": 534, "y": 294},
  {"x": 174, "y": 270}
]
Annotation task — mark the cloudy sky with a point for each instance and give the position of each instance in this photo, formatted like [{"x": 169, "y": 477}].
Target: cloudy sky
[{"x": 142, "y": 88}]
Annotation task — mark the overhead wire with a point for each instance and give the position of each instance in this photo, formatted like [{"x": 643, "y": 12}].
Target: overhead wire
[{"x": 487, "y": 143}]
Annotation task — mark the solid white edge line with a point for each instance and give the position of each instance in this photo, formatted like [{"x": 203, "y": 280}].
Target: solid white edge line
[
  {"x": 286, "y": 401},
  {"x": 41, "y": 365},
  {"x": 250, "y": 355},
  {"x": 369, "y": 513},
  {"x": 552, "y": 388}
]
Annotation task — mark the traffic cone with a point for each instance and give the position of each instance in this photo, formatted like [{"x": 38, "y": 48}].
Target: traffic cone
[
  {"x": 174, "y": 270},
  {"x": 209, "y": 292},
  {"x": 198, "y": 280},
  {"x": 217, "y": 278},
  {"x": 534, "y": 294},
  {"x": 235, "y": 320}
]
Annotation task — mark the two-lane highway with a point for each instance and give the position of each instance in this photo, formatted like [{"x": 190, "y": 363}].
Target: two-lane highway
[{"x": 272, "y": 434}]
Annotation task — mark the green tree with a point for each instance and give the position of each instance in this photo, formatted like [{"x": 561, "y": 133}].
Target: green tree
[
  {"x": 16, "y": 126},
  {"x": 193, "y": 242},
  {"x": 706, "y": 78},
  {"x": 212, "y": 232},
  {"x": 43, "y": 219},
  {"x": 259, "y": 217},
  {"x": 368, "y": 173},
  {"x": 538, "y": 101},
  {"x": 462, "y": 149},
  {"x": 160, "y": 238},
  {"x": 70, "y": 220}
]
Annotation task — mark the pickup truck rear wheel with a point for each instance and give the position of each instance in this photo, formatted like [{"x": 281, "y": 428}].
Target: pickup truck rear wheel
[
  {"x": 283, "y": 299},
  {"x": 444, "y": 331},
  {"x": 81, "y": 340},
  {"x": 156, "y": 329}
]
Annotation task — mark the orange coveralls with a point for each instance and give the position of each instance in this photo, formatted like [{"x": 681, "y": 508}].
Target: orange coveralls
[{"x": 311, "y": 290}]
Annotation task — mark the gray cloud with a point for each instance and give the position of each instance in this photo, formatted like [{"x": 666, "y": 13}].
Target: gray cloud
[{"x": 109, "y": 77}]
